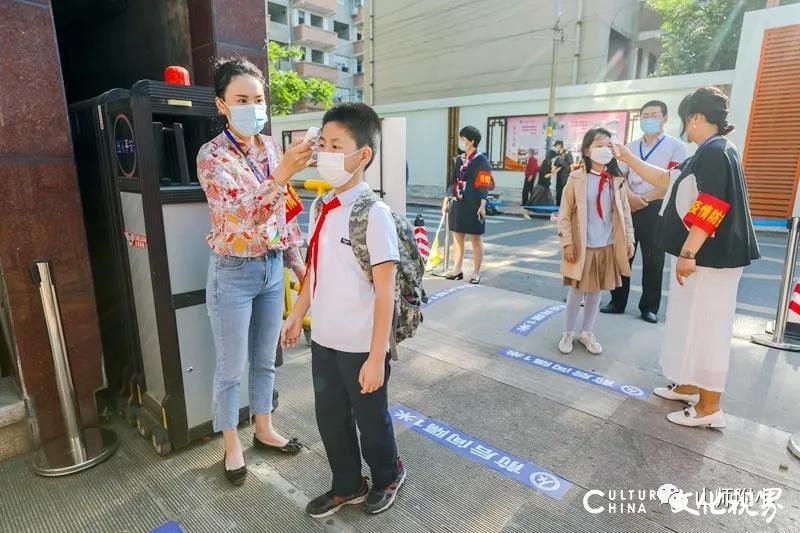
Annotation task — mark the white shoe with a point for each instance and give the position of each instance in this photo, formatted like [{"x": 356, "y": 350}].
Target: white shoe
[
  {"x": 688, "y": 417},
  {"x": 588, "y": 339},
  {"x": 565, "y": 344},
  {"x": 527, "y": 215},
  {"x": 670, "y": 394}
]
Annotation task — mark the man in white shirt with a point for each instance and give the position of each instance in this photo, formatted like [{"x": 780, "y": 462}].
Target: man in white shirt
[{"x": 662, "y": 150}]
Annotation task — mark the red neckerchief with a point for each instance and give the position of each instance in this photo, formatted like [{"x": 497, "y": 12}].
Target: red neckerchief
[
  {"x": 313, "y": 244},
  {"x": 605, "y": 179}
]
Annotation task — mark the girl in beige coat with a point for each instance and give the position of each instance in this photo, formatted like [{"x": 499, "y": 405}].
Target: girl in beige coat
[{"x": 596, "y": 234}]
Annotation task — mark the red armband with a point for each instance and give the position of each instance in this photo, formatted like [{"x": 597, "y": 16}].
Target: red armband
[
  {"x": 293, "y": 204},
  {"x": 484, "y": 180},
  {"x": 707, "y": 212},
  {"x": 673, "y": 164}
]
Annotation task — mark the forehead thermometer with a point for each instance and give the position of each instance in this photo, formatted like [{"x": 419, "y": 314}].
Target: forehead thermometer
[{"x": 311, "y": 134}]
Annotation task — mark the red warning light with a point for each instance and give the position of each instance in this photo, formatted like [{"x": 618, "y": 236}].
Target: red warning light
[{"x": 176, "y": 75}]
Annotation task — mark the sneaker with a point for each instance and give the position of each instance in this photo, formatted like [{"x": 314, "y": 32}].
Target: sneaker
[
  {"x": 588, "y": 339},
  {"x": 327, "y": 504},
  {"x": 381, "y": 499},
  {"x": 670, "y": 394},
  {"x": 565, "y": 344},
  {"x": 688, "y": 417}
]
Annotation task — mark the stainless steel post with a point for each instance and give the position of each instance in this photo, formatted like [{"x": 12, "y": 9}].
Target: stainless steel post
[
  {"x": 70, "y": 453},
  {"x": 794, "y": 445},
  {"x": 447, "y": 237},
  {"x": 776, "y": 340}
]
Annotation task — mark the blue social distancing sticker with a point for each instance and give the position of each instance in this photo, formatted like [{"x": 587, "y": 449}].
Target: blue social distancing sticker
[
  {"x": 525, "y": 327},
  {"x": 590, "y": 378},
  {"x": 435, "y": 297},
  {"x": 516, "y": 468},
  {"x": 169, "y": 527}
]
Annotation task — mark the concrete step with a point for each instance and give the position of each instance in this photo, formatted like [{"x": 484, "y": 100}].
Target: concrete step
[{"x": 15, "y": 433}]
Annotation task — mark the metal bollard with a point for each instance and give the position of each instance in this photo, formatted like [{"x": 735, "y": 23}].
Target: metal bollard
[
  {"x": 78, "y": 449},
  {"x": 446, "y": 267},
  {"x": 776, "y": 340}
]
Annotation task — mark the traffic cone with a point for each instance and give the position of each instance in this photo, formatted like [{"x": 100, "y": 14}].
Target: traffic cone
[
  {"x": 794, "y": 306},
  {"x": 421, "y": 237}
]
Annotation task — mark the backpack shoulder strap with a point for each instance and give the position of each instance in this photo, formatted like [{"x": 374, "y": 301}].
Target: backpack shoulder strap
[{"x": 359, "y": 218}]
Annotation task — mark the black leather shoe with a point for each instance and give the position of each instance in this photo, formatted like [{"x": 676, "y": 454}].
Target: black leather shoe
[
  {"x": 235, "y": 477},
  {"x": 611, "y": 309},
  {"x": 455, "y": 277},
  {"x": 650, "y": 317},
  {"x": 292, "y": 447}
]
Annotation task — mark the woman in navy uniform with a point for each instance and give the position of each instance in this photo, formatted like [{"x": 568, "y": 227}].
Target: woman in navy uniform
[{"x": 470, "y": 183}]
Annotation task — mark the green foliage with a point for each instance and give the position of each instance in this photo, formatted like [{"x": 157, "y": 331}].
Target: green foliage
[
  {"x": 287, "y": 88},
  {"x": 701, "y": 35}
]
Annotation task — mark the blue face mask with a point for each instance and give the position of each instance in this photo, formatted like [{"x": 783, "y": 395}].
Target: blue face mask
[
  {"x": 650, "y": 126},
  {"x": 248, "y": 119}
]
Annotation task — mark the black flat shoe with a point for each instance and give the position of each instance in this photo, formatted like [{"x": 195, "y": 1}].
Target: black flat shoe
[
  {"x": 650, "y": 317},
  {"x": 611, "y": 309},
  {"x": 292, "y": 447},
  {"x": 452, "y": 277},
  {"x": 235, "y": 477},
  {"x": 475, "y": 280}
]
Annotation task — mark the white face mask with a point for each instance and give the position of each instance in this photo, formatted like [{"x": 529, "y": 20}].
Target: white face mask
[
  {"x": 462, "y": 145},
  {"x": 248, "y": 119},
  {"x": 601, "y": 154},
  {"x": 331, "y": 168}
]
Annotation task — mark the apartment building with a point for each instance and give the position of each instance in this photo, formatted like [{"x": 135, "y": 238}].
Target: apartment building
[
  {"x": 427, "y": 49},
  {"x": 331, "y": 34}
]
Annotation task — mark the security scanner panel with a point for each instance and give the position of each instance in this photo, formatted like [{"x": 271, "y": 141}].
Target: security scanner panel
[{"x": 147, "y": 221}]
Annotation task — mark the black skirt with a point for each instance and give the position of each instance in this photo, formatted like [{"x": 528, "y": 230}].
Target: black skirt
[{"x": 464, "y": 216}]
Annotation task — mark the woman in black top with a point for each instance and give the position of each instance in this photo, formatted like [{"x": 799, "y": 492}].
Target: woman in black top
[
  {"x": 542, "y": 195},
  {"x": 470, "y": 183},
  {"x": 708, "y": 230}
]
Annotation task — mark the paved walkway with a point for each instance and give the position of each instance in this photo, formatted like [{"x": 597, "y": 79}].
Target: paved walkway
[{"x": 499, "y": 432}]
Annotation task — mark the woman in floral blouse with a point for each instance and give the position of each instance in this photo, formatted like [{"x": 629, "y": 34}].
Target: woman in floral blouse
[{"x": 253, "y": 227}]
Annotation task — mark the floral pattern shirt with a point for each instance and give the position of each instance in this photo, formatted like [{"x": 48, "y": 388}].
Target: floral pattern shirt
[{"x": 248, "y": 217}]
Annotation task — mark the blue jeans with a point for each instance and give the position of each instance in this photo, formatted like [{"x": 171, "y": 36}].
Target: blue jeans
[{"x": 244, "y": 296}]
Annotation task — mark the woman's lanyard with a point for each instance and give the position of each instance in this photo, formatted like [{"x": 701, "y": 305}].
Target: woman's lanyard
[
  {"x": 259, "y": 175},
  {"x": 653, "y": 149}
]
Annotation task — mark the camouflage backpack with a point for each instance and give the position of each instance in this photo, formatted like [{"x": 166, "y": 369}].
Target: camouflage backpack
[{"x": 409, "y": 294}]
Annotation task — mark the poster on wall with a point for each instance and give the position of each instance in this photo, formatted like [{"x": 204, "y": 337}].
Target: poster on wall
[{"x": 525, "y": 132}]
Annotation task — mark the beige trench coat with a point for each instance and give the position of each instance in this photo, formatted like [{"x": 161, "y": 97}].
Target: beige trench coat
[{"x": 573, "y": 221}]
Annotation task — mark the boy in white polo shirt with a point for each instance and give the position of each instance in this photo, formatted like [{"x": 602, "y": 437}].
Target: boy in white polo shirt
[{"x": 352, "y": 320}]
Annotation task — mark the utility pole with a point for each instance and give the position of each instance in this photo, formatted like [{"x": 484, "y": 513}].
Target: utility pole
[{"x": 558, "y": 37}]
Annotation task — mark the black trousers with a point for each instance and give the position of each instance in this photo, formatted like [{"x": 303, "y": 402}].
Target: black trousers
[
  {"x": 560, "y": 183},
  {"x": 527, "y": 189},
  {"x": 339, "y": 406},
  {"x": 647, "y": 232}
]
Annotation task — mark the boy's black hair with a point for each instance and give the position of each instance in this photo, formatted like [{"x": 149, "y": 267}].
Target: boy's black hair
[
  {"x": 360, "y": 121},
  {"x": 612, "y": 167},
  {"x": 472, "y": 134},
  {"x": 225, "y": 69},
  {"x": 655, "y": 103},
  {"x": 559, "y": 142}
]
